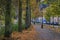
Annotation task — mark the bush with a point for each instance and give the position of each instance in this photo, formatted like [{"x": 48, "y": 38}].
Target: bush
[
  {"x": 15, "y": 27},
  {"x": 2, "y": 30}
]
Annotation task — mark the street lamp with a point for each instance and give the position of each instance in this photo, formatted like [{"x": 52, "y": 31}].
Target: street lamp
[
  {"x": 42, "y": 19},
  {"x": 42, "y": 6}
]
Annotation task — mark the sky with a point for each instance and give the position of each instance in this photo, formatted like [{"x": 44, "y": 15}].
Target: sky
[{"x": 42, "y": 0}]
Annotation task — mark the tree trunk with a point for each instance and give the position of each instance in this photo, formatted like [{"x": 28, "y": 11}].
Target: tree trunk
[
  {"x": 42, "y": 20},
  {"x": 8, "y": 19},
  {"x": 53, "y": 21},
  {"x": 20, "y": 16},
  {"x": 28, "y": 14},
  {"x": 29, "y": 17}
]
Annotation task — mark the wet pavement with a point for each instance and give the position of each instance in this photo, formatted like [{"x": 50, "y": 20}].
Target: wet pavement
[{"x": 46, "y": 34}]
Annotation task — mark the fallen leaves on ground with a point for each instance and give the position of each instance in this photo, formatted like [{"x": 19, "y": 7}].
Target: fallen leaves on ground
[
  {"x": 56, "y": 29},
  {"x": 29, "y": 34}
]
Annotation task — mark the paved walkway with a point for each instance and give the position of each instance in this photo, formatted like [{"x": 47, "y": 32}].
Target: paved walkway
[{"x": 46, "y": 34}]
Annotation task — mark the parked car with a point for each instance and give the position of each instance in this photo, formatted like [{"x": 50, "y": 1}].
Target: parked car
[
  {"x": 38, "y": 20},
  {"x": 54, "y": 23},
  {"x": 47, "y": 22},
  {"x": 44, "y": 21}
]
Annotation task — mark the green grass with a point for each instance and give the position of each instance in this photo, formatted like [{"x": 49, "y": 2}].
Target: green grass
[
  {"x": 15, "y": 27},
  {"x": 2, "y": 30}
]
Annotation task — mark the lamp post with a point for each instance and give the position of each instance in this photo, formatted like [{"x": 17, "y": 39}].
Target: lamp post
[
  {"x": 42, "y": 6},
  {"x": 42, "y": 19}
]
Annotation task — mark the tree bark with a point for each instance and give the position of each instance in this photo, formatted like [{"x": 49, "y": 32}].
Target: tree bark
[
  {"x": 20, "y": 16},
  {"x": 8, "y": 29},
  {"x": 28, "y": 14}
]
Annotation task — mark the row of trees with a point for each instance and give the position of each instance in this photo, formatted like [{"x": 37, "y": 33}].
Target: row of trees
[
  {"x": 30, "y": 6},
  {"x": 52, "y": 9},
  {"x": 8, "y": 16}
]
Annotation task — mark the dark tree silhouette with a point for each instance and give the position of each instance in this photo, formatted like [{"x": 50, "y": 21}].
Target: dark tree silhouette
[
  {"x": 7, "y": 18},
  {"x": 28, "y": 14},
  {"x": 20, "y": 16}
]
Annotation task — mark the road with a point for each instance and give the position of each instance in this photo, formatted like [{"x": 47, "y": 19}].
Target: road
[{"x": 46, "y": 34}]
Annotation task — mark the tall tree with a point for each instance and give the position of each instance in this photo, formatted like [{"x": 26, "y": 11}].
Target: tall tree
[
  {"x": 28, "y": 14},
  {"x": 8, "y": 18},
  {"x": 20, "y": 16}
]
